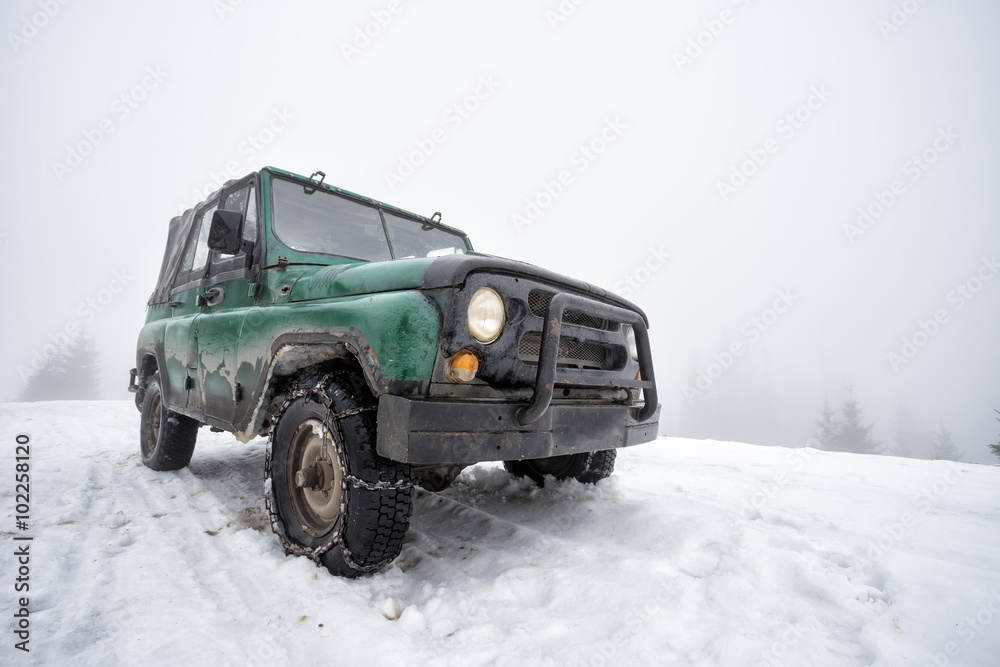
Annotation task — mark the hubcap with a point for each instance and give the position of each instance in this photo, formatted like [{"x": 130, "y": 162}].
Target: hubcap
[
  {"x": 313, "y": 477},
  {"x": 310, "y": 478}
]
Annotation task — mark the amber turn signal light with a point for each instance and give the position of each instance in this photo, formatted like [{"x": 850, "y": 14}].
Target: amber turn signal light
[{"x": 463, "y": 366}]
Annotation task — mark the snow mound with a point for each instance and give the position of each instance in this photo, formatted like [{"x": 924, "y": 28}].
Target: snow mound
[{"x": 693, "y": 552}]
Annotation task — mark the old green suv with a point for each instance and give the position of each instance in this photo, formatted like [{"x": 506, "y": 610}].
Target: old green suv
[{"x": 377, "y": 351}]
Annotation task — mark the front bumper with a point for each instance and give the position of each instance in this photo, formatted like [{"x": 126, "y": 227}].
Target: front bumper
[
  {"x": 465, "y": 430},
  {"x": 448, "y": 432}
]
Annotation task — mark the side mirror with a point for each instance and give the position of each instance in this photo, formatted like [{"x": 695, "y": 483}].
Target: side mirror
[{"x": 225, "y": 234}]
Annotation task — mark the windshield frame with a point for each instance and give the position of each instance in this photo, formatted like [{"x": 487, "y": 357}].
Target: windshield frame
[{"x": 461, "y": 244}]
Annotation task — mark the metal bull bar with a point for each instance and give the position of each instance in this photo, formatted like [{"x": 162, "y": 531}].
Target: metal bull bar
[{"x": 549, "y": 375}]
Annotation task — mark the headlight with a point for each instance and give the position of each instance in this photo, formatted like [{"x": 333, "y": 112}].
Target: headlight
[
  {"x": 633, "y": 349},
  {"x": 485, "y": 315}
]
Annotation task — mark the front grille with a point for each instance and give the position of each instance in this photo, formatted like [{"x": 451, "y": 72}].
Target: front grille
[
  {"x": 572, "y": 353},
  {"x": 538, "y": 304}
]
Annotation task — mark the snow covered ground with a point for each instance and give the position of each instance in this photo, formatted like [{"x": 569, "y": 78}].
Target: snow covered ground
[{"x": 693, "y": 553}]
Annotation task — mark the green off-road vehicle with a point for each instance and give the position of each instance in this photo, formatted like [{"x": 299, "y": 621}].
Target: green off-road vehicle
[{"x": 377, "y": 351}]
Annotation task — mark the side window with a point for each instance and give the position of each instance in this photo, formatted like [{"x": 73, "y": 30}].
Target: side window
[
  {"x": 250, "y": 224},
  {"x": 197, "y": 252},
  {"x": 236, "y": 200},
  {"x": 244, "y": 200}
]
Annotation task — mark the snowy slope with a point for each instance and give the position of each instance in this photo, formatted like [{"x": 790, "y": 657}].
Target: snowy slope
[{"x": 693, "y": 553}]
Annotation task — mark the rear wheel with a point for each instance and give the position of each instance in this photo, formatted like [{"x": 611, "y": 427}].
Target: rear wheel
[
  {"x": 331, "y": 496},
  {"x": 166, "y": 438},
  {"x": 588, "y": 468}
]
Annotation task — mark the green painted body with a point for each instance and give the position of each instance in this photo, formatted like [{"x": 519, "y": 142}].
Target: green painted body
[
  {"x": 232, "y": 331},
  {"x": 214, "y": 359}
]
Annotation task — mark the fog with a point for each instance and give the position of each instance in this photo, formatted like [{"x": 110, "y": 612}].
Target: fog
[{"x": 812, "y": 184}]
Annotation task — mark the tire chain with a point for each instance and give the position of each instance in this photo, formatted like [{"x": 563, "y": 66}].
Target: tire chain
[{"x": 316, "y": 553}]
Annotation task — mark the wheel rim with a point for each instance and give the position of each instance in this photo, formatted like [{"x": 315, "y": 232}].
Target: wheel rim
[
  {"x": 313, "y": 477},
  {"x": 554, "y": 465},
  {"x": 153, "y": 429}
]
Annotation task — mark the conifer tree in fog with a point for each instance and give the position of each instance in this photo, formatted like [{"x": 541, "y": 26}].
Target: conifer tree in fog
[
  {"x": 845, "y": 432},
  {"x": 71, "y": 374},
  {"x": 827, "y": 427},
  {"x": 996, "y": 448},
  {"x": 944, "y": 448}
]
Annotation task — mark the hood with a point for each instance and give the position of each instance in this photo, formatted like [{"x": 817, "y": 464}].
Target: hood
[
  {"x": 323, "y": 282},
  {"x": 453, "y": 269},
  {"x": 431, "y": 273}
]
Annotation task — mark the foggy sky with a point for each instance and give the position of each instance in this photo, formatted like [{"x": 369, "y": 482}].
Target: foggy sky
[{"x": 612, "y": 119}]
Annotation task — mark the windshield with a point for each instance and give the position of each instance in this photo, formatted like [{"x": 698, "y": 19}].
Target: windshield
[{"x": 316, "y": 220}]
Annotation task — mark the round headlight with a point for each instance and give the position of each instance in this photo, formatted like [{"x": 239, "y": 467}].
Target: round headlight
[
  {"x": 485, "y": 315},
  {"x": 633, "y": 349}
]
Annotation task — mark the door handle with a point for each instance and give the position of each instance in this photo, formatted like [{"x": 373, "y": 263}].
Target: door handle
[{"x": 212, "y": 297}]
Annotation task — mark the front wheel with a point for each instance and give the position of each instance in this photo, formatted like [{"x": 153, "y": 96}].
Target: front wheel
[
  {"x": 588, "y": 468},
  {"x": 331, "y": 496}
]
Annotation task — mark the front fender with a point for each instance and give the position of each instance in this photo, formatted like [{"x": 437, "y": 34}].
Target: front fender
[{"x": 394, "y": 338}]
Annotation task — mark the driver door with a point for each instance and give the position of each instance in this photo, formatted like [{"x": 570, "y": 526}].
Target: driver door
[{"x": 225, "y": 302}]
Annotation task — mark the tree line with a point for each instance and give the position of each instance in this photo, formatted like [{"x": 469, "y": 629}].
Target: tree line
[
  {"x": 845, "y": 430},
  {"x": 72, "y": 373}
]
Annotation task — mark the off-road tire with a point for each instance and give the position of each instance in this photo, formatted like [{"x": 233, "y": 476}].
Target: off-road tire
[
  {"x": 166, "y": 438},
  {"x": 363, "y": 522},
  {"x": 588, "y": 468}
]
